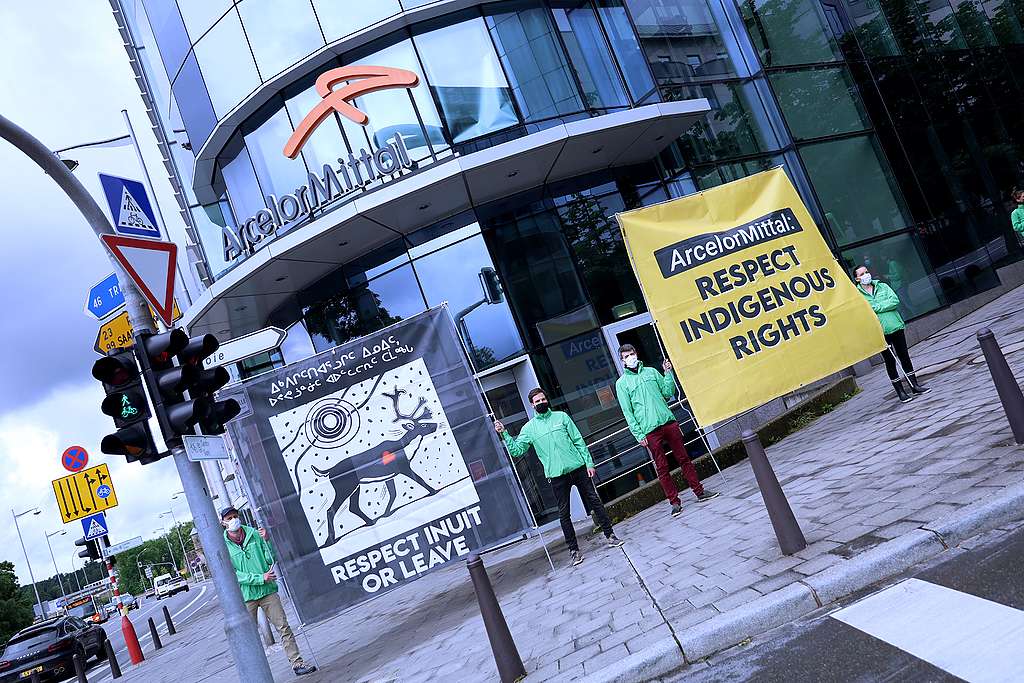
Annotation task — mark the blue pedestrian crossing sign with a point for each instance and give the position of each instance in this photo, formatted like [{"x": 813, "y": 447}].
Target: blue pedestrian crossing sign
[
  {"x": 130, "y": 209},
  {"x": 94, "y": 526}
]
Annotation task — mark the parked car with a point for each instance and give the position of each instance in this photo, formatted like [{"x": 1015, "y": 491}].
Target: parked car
[
  {"x": 129, "y": 601},
  {"x": 110, "y": 608},
  {"x": 47, "y": 649},
  {"x": 169, "y": 584}
]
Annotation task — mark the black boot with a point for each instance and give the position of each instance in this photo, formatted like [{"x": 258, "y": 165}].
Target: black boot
[
  {"x": 901, "y": 393},
  {"x": 915, "y": 386}
]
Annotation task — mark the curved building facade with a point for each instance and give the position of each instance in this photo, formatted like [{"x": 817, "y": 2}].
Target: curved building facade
[{"x": 343, "y": 165}]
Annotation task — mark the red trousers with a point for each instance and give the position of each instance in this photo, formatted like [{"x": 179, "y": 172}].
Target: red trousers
[{"x": 669, "y": 432}]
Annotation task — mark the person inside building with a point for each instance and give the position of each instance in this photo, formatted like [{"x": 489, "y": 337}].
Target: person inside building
[
  {"x": 886, "y": 306},
  {"x": 253, "y": 560},
  {"x": 643, "y": 395},
  {"x": 1017, "y": 217},
  {"x": 566, "y": 460}
]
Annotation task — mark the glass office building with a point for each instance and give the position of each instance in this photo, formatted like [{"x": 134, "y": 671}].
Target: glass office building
[{"x": 532, "y": 122}]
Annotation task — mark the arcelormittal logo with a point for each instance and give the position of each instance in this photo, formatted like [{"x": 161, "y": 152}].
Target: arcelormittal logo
[{"x": 360, "y": 80}]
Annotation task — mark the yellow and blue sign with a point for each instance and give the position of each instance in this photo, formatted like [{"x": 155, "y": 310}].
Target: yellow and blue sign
[
  {"x": 748, "y": 298},
  {"x": 84, "y": 493}
]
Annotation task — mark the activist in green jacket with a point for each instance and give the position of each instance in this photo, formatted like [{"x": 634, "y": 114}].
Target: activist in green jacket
[
  {"x": 643, "y": 395},
  {"x": 885, "y": 304},
  {"x": 556, "y": 440},
  {"x": 251, "y": 561},
  {"x": 1017, "y": 216}
]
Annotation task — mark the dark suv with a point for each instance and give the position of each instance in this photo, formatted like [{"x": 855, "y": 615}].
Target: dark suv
[{"x": 46, "y": 648}]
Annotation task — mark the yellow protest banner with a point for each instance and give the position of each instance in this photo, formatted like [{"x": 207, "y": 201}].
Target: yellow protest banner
[{"x": 746, "y": 294}]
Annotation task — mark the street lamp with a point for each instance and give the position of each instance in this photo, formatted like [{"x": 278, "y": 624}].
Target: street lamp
[
  {"x": 63, "y": 593},
  {"x": 34, "y": 511},
  {"x": 199, "y": 567},
  {"x": 171, "y": 552},
  {"x": 74, "y": 570},
  {"x": 184, "y": 555}
]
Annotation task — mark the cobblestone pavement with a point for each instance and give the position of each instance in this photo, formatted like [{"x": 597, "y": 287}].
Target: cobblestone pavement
[{"x": 869, "y": 471}]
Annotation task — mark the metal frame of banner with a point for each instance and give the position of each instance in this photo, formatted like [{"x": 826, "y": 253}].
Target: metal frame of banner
[{"x": 511, "y": 462}]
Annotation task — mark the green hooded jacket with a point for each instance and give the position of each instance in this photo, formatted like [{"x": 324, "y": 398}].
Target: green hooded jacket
[
  {"x": 886, "y": 306},
  {"x": 251, "y": 561},
  {"x": 643, "y": 396},
  {"x": 1017, "y": 219},
  {"x": 556, "y": 440}
]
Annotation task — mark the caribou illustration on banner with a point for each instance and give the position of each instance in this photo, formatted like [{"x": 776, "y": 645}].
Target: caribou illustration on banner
[{"x": 382, "y": 463}]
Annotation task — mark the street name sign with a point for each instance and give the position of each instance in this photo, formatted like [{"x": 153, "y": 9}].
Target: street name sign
[
  {"x": 246, "y": 346},
  {"x": 205, "y": 447},
  {"x": 151, "y": 265},
  {"x": 84, "y": 493},
  {"x": 105, "y": 298},
  {"x": 94, "y": 526},
  {"x": 124, "y": 545},
  {"x": 115, "y": 334},
  {"x": 130, "y": 210},
  {"x": 74, "y": 458}
]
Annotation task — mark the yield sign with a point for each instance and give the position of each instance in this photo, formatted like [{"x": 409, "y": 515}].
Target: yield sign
[{"x": 151, "y": 265}]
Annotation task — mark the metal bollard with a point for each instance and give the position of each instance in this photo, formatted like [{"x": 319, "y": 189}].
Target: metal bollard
[
  {"x": 79, "y": 668},
  {"x": 1006, "y": 384},
  {"x": 506, "y": 656},
  {"x": 115, "y": 668},
  {"x": 170, "y": 624},
  {"x": 156, "y": 636},
  {"x": 787, "y": 529}
]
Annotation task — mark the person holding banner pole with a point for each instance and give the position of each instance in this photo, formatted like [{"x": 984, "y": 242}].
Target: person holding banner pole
[
  {"x": 567, "y": 463},
  {"x": 643, "y": 395},
  {"x": 886, "y": 305}
]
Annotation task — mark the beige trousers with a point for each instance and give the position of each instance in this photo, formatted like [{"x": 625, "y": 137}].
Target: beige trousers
[{"x": 274, "y": 610}]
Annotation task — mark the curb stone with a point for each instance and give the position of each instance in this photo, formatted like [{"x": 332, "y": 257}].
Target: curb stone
[{"x": 801, "y": 598}]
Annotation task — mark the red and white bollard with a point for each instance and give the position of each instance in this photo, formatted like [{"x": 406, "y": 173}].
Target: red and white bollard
[{"x": 131, "y": 640}]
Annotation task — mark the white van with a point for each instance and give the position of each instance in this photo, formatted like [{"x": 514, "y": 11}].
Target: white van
[{"x": 169, "y": 584}]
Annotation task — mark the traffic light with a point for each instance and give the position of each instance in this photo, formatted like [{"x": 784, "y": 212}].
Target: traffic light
[
  {"x": 491, "y": 285},
  {"x": 91, "y": 552},
  {"x": 126, "y": 402},
  {"x": 207, "y": 382}
]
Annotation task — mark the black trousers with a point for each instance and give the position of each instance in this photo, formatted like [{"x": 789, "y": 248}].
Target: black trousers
[
  {"x": 898, "y": 341},
  {"x": 561, "y": 487}
]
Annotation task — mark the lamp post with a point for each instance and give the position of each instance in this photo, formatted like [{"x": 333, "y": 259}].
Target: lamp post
[
  {"x": 15, "y": 515},
  {"x": 199, "y": 565},
  {"x": 74, "y": 570},
  {"x": 184, "y": 555},
  {"x": 63, "y": 593},
  {"x": 169, "y": 551}
]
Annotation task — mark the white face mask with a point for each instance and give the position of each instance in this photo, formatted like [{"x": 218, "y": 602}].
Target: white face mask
[
  {"x": 865, "y": 279},
  {"x": 631, "y": 361},
  {"x": 234, "y": 524}
]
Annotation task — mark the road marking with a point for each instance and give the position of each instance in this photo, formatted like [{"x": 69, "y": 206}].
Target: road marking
[{"x": 975, "y": 639}]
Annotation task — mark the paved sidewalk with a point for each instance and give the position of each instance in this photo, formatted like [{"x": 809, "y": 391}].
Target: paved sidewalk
[{"x": 870, "y": 471}]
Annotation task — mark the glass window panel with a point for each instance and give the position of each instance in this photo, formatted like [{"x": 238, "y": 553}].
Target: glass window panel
[
  {"x": 277, "y": 173},
  {"x": 873, "y": 34},
  {"x": 440, "y": 235},
  {"x": 196, "y": 108},
  {"x": 584, "y": 40},
  {"x": 1005, "y": 23},
  {"x": 226, "y": 63},
  {"x": 243, "y": 189},
  {"x": 536, "y": 66},
  {"x": 974, "y": 24},
  {"x": 377, "y": 262},
  {"x": 626, "y": 48},
  {"x": 789, "y": 32},
  {"x": 945, "y": 31},
  {"x": 354, "y": 312},
  {"x": 474, "y": 95},
  {"x": 210, "y": 221},
  {"x": 736, "y": 125},
  {"x": 172, "y": 40},
  {"x": 199, "y": 15},
  {"x": 339, "y": 18},
  {"x": 280, "y": 32},
  {"x": 297, "y": 345},
  {"x": 681, "y": 41},
  {"x": 453, "y": 274},
  {"x": 391, "y": 111},
  {"x": 819, "y": 102},
  {"x": 898, "y": 262},
  {"x": 857, "y": 209}
]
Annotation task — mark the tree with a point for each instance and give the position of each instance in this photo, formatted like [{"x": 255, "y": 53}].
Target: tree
[{"x": 15, "y": 611}]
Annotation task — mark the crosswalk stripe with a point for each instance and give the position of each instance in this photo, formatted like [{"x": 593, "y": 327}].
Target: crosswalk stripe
[{"x": 975, "y": 639}]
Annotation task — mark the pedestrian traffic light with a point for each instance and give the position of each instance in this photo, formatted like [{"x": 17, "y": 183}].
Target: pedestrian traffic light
[
  {"x": 491, "y": 285},
  {"x": 91, "y": 552},
  {"x": 206, "y": 384},
  {"x": 126, "y": 402}
]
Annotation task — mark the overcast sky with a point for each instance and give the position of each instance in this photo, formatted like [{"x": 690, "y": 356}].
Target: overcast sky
[{"x": 64, "y": 76}]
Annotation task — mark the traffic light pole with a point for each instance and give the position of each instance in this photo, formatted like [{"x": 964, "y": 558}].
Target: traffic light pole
[{"x": 243, "y": 638}]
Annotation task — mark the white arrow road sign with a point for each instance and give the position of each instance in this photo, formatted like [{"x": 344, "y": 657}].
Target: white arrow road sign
[
  {"x": 124, "y": 545},
  {"x": 205, "y": 447},
  {"x": 243, "y": 347}
]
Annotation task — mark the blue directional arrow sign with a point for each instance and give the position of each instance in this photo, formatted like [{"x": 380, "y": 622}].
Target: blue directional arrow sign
[
  {"x": 130, "y": 209},
  {"x": 94, "y": 526},
  {"x": 105, "y": 298}
]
